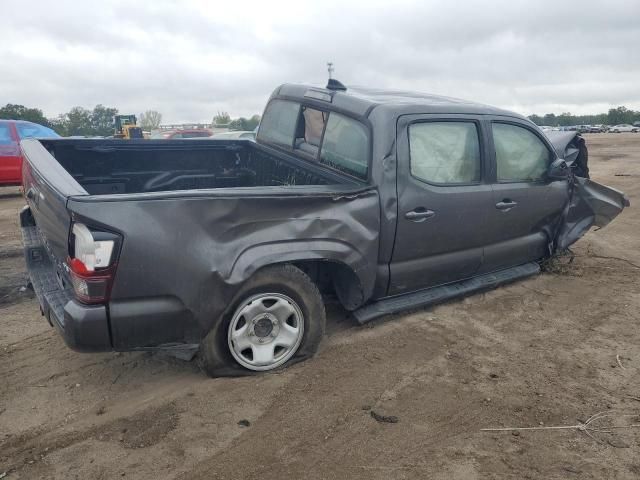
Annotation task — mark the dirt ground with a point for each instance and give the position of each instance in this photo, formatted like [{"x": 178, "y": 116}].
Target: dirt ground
[{"x": 549, "y": 351}]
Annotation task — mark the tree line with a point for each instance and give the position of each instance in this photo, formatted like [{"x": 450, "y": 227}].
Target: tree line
[
  {"x": 614, "y": 116},
  {"x": 99, "y": 120},
  {"x": 223, "y": 119}
]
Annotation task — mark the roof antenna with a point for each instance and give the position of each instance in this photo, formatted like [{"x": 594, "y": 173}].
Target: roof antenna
[{"x": 334, "y": 84}]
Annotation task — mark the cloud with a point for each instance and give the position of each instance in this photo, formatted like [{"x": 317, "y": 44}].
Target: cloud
[{"x": 192, "y": 59}]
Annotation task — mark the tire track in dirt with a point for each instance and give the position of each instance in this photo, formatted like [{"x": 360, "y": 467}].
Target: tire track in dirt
[{"x": 145, "y": 428}]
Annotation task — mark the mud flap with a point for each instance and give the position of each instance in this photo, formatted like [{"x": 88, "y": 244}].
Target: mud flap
[{"x": 591, "y": 204}]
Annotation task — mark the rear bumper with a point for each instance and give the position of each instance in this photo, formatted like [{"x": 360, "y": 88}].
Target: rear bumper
[{"x": 85, "y": 328}]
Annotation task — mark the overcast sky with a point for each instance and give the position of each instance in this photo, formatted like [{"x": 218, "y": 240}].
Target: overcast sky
[{"x": 190, "y": 59}]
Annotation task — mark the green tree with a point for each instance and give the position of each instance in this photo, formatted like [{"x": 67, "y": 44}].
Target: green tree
[
  {"x": 613, "y": 117},
  {"x": 81, "y": 121},
  {"x": 253, "y": 122},
  {"x": 222, "y": 118},
  {"x": 237, "y": 124},
  {"x": 550, "y": 119},
  {"x": 150, "y": 120},
  {"x": 620, "y": 115},
  {"x": 77, "y": 121},
  {"x": 244, "y": 123},
  {"x": 59, "y": 125},
  {"x": 20, "y": 112},
  {"x": 537, "y": 119},
  {"x": 566, "y": 119},
  {"x": 101, "y": 120}
]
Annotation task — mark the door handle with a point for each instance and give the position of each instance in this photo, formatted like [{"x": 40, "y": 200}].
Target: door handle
[
  {"x": 506, "y": 205},
  {"x": 419, "y": 215}
]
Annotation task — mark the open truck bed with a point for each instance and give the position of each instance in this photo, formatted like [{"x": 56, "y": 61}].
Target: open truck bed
[{"x": 116, "y": 167}]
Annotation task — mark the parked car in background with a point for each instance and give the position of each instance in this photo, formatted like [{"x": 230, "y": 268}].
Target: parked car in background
[
  {"x": 183, "y": 133},
  {"x": 598, "y": 128},
  {"x": 624, "y": 127},
  {"x": 11, "y": 132}
]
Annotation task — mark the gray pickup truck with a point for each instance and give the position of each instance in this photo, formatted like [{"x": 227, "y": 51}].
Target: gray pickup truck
[{"x": 389, "y": 200}]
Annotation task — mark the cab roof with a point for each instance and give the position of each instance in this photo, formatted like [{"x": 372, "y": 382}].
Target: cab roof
[{"x": 362, "y": 100}]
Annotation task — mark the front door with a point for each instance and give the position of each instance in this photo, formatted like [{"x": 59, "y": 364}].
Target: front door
[
  {"x": 527, "y": 205},
  {"x": 444, "y": 201}
]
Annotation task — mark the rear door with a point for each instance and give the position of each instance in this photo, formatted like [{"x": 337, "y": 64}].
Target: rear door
[
  {"x": 444, "y": 201},
  {"x": 526, "y": 204},
  {"x": 10, "y": 159}
]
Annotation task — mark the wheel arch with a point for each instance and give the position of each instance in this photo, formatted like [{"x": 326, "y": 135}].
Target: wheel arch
[{"x": 351, "y": 275}]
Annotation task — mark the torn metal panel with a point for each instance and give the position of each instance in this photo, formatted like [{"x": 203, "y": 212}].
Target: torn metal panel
[
  {"x": 591, "y": 204},
  {"x": 571, "y": 147}
]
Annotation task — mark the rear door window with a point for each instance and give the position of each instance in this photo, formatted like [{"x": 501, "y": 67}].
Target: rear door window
[
  {"x": 278, "y": 125},
  {"x": 346, "y": 146},
  {"x": 445, "y": 153}
]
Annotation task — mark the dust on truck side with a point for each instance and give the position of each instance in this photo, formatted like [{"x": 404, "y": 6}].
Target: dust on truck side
[{"x": 389, "y": 200}]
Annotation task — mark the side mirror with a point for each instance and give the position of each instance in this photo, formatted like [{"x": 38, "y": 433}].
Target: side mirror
[{"x": 558, "y": 170}]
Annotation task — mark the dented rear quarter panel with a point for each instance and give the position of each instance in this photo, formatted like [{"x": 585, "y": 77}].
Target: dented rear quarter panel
[{"x": 188, "y": 254}]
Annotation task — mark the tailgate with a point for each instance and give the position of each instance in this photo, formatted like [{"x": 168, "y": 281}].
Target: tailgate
[{"x": 46, "y": 188}]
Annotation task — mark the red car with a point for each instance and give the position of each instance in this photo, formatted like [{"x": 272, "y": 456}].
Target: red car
[{"x": 11, "y": 132}]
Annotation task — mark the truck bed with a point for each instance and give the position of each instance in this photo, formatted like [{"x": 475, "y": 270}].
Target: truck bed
[{"x": 124, "y": 167}]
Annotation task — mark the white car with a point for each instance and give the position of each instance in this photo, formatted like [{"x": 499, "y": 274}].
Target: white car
[{"x": 624, "y": 127}]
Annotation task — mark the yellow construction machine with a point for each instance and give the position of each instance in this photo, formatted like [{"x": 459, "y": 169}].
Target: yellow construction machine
[{"x": 126, "y": 127}]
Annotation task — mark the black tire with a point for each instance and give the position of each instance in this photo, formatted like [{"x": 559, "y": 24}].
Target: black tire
[{"x": 215, "y": 356}]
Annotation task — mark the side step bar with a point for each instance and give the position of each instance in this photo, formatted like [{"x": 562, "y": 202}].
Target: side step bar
[{"x": 440, "y": 294}]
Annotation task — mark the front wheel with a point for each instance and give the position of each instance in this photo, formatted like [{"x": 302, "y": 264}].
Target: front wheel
[{"x": 277, "y": 318}]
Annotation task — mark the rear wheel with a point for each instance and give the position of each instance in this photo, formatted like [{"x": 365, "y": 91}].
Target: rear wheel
[
  {"x": 277, "y": 318},
  {"x": 265, "y": 331}
]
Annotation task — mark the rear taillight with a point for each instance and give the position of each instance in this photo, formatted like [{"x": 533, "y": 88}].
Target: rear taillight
[{"x": 92, "y": 263}]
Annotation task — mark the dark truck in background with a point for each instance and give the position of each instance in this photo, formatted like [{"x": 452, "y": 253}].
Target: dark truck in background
[{"x": 390, "y": 200}]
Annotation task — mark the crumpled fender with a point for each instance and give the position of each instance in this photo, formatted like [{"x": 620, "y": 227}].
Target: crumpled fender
[{"x": 591, "y": 204}]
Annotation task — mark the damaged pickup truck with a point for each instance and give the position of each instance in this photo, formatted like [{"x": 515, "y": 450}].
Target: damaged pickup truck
[{"x": 390, "y": 200}]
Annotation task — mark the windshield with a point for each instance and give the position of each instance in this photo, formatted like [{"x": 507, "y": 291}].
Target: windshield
[{"x": 33, "y": 130}]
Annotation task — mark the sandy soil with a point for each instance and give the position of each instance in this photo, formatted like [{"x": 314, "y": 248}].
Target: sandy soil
[{"x": 549, "y": 351}]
